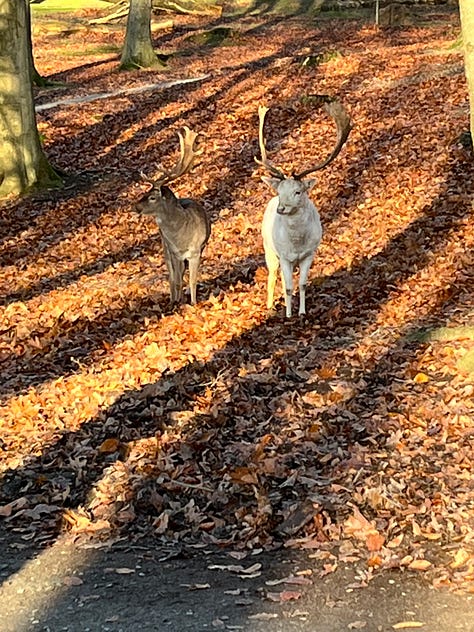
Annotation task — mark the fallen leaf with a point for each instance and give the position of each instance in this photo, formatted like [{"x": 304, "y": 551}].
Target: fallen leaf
[
  {"x": 374, "y": 541},
  {"x": 298, "y": 580},
  {"x": 219, "y": 424},
  {"x": 234, "y": 568},
  {"x": 72, "y": 580},
  {"x": 419, "y": 565},
  {"x": 263, "y": 616},
  {"x": 460, "y": 558},
  {"x": 218, "y": 624},
  {"x": 290, "y": 595},
  {"x": 109, "y": 446},
  {"x": 196, "y": 586},
  {"x": 285, "y": 595},
  {"x": 421, "y": 378}
]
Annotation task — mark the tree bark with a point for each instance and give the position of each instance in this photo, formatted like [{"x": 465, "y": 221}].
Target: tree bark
[
  {"x": 138, "y": 48},
  {"x": 466, "y": 8},
  {"x": 23, "y": 164}
]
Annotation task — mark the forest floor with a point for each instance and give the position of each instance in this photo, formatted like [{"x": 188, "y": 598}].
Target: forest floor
[{"x": 317, "y": 460}]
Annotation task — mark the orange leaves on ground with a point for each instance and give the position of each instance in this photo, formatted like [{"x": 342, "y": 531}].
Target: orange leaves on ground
[
  {"x": 344, "y": 433},
  {"x": 109, "y": 446},
  {"x": 359, "y": 527},
  {"x": 285, "y": 595},
  {"x": 244, "y": 476}
]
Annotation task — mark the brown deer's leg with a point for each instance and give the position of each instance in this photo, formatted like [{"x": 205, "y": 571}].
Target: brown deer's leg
[
  {"x": 175, "y": 271},
  {"x": 193, "y": 276}
]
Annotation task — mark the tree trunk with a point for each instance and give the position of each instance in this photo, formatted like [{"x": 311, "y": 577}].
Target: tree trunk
[
  {"x": 466, "y": 8},
  {"x": 36, "y": 78},
  {"x": 138, "y": 48},
  {"x": 23, "y": 164}
]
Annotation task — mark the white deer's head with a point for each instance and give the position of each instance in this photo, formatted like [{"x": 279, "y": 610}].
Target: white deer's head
[{"x": 291, "y": 193}]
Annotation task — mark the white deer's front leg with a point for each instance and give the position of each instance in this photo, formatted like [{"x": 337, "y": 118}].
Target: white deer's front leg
[
  {"x": 273, "y": 264},
  {"x": 287, "y": 274},
  {"x": 305, "y": 265}
]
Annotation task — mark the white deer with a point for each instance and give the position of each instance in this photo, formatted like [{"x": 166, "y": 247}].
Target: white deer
[{"x": 291, "y": 227}]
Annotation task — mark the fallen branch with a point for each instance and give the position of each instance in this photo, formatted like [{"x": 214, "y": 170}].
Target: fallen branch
[{"x": 120, "y": 12}]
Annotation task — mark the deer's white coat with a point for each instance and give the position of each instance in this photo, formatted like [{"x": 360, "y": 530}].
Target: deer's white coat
[{"x": 291, "y": 231}]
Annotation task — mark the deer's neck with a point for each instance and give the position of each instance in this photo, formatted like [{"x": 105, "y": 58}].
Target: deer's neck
[{"x": 170, "y": 212}]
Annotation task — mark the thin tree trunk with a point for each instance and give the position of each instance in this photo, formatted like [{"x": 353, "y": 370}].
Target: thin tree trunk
[
  {"x": 36, "y": 78},
  {"x": 23, "y": 164},
  {"x": 138, "y": 48},
  {"x": 466, "y": 8}
]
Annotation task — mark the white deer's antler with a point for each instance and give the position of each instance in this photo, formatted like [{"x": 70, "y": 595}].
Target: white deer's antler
[{"x": 335, "y": 109}]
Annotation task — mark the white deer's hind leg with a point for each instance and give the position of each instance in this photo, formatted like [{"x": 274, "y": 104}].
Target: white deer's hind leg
[
  {"x": 287, "y": 274},
  {"x": 305, "y": 265}
]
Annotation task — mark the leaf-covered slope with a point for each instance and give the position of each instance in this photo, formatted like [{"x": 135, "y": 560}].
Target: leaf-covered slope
[{"x": 221, "y": 423}]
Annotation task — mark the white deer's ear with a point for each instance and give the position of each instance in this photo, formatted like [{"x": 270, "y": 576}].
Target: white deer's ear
[
  {"x": 274, "y": 183},
  {"x": 309, "y": 184}
]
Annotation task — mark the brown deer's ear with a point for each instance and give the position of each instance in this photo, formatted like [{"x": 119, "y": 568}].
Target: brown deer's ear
[{"x": 274, "y": 183}]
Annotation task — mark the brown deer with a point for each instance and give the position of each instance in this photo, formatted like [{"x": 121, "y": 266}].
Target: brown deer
[
  {"x": 291, "y": 227},
  {"x": 184, "y": 224}
]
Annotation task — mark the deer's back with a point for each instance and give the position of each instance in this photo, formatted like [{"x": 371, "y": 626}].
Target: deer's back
[
  {"x": 186, "y": 230},
  {"x": 197, "y": 218}
]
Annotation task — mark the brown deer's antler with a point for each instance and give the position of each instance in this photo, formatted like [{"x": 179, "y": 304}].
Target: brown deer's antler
[
  {"x": 337, "y": 111},
  {"x": 187, "y": 139},
  {"x": 262, "y": 110}
]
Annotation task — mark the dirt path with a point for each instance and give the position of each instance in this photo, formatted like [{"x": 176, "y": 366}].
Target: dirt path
[{"x": 126, "y": 587}]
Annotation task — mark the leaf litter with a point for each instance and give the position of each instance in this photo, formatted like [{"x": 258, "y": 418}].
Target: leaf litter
[{"x": 341, "y": 433}]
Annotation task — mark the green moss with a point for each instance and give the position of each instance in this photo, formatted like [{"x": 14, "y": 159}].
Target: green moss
[
  {"x": 310, "y": 61},
  {"x": 213, "y": 37},
  {"x": 457, "y": 44},
  {"x": 466, "y": 363},
  {"x": 130, "y": 64},
  {"x": 443, "y": 334}
]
